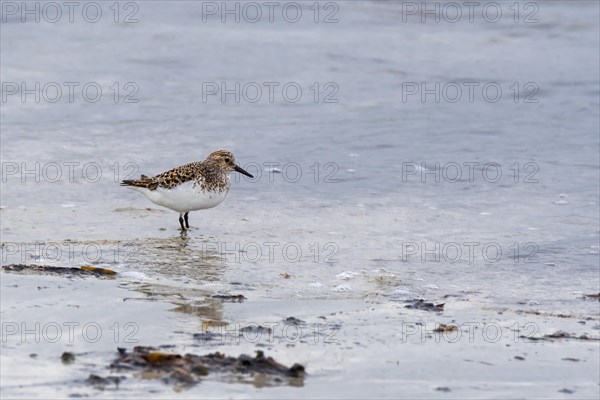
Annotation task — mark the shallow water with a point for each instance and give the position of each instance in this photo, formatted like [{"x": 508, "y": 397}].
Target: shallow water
[{"x": 357, "y": 206}]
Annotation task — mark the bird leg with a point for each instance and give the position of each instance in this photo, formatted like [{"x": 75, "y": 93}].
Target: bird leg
[
  {"x": 181, "y": 222},
  {"x": 187, "y": 225}
]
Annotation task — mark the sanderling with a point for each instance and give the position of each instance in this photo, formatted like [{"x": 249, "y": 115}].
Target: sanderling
[{"x": 190, "y": 187}]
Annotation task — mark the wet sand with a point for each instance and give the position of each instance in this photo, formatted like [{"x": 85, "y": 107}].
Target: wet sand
[{"x": 463, "y": 345}]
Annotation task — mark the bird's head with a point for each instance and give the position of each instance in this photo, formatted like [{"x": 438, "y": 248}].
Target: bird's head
[{"x": 225, "y": 160}]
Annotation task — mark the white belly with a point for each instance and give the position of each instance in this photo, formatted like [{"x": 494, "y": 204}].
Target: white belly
[{"x": 184, "y": 198}]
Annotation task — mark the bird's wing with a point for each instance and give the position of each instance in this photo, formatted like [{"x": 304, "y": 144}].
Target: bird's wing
[{"x": 167, "y": 180}]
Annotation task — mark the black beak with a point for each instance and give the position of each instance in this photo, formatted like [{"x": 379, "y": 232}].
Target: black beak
[{"x": 242, "y": 171}]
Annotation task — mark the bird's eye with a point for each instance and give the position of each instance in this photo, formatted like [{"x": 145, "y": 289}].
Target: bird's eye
[{"x": 227, "y": 160}]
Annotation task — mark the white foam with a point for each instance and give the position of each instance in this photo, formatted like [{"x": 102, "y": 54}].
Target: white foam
[
  {"x": 346, "y": 275},
  {"x": 342, "y": 288},
  {"x": 135, "y": 275}
]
